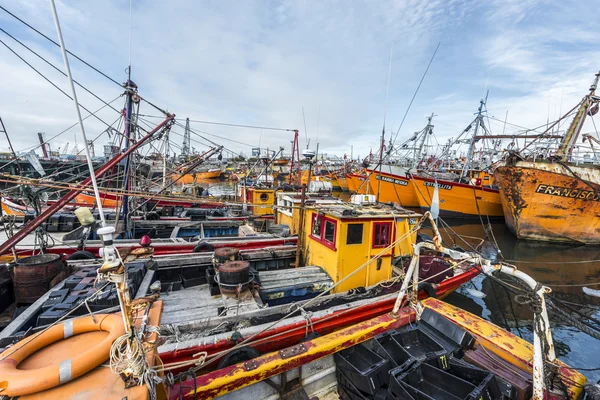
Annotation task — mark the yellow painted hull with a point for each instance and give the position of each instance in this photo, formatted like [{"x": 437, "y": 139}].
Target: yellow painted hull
[
  {"x": 513, "y": 349},
  {"x": 343, "y": 183},
  {"x": 394, "y": 188},
  {"x": 350, "y": 183},
  {"x": 545, "y": 201},
  {"x": 193, "y": 177},
  {"x": 358, "y": 182},
  {"x": 458, "y": 200}
]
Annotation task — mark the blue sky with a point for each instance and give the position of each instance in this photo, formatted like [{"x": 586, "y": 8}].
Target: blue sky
[{"x": 260, "y": 62}]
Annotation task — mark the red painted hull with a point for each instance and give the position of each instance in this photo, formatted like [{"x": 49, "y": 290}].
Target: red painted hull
[
  {"x": 172, "y": 248},
  {"x": 284, "y": 336}
]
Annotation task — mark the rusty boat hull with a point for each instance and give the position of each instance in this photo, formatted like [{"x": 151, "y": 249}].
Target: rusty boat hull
[{"x": 551, "y": 201}]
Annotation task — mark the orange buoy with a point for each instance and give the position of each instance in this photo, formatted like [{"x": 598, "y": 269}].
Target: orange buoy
[{"x": 18, "y": 382}]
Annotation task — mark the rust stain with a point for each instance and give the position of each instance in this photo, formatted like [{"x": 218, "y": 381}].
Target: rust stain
[{"x": 539, "y": 197}]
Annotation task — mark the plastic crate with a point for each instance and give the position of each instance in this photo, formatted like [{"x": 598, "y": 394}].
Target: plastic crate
[
  {"x": 387, "y": 347},
  {"x": 346, "y": 388},
  {"x": 485, "y": 381},
  {"x": 366, "y": 369},
  {"x": 426, "y": 382},
  {"x": 420, "y": 345},
  {"x": 446, "y": 329},
  {"x": 193, "y": 277}
]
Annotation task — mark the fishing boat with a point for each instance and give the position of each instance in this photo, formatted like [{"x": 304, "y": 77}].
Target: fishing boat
[
  {"x": 466, "y": 194},
  {"x": 357, "y": 183},
  {"x": 551, "y": 195}
]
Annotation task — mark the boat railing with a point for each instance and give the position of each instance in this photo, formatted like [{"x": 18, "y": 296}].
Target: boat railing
[{"x": 543, "y": 345}]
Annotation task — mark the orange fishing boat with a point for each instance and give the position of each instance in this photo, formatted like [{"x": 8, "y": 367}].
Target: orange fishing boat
[
  {"x": 459, "y": 200},
  {"x": 193, "y": 177},
  {"x": 359, "y": 183},
  {"x": 393, "y": 188},
  {"x": 341, "y": 178},
  {"x": 554, "y": 198}
]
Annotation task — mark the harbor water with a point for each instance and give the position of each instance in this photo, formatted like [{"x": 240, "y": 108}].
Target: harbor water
[{"x": 566, "y": 269}]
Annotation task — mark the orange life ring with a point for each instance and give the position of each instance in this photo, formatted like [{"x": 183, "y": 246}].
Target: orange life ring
[{"x": 16, "y": 382}]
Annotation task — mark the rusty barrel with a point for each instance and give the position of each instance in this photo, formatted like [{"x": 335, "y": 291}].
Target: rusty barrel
[
  {"x": 33, "y": 276},
  {"x": 224, "y": 254},
  {"x": 232, "y": 274}
]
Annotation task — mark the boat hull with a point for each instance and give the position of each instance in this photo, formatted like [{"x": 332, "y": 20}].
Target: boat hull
[
  {"x": 394, "y": 188},
  {"x": 291, "y": 334},
  {"x": 459, "y": 200},
  {"x": 545, "y": 201},
  {"x": 358, "y": 183}
]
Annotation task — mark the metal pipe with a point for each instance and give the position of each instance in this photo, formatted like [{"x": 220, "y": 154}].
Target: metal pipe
[
  {"x": 538, "y": 359},
  {"x": 14, "y": 240},
  {"x": 78, "y": 111}
]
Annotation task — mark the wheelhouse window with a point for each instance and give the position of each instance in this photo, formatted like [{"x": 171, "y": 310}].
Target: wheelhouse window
[
  {"x": 329, "y": 231},
  {"x": 355, "y": 234},
  {"x": 323, "y": 230},
  {"x": 317, "y": 222},
  {"x": 382, "y": 234}
]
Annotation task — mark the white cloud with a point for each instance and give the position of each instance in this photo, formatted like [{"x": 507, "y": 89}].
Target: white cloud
[{"x": 260, "y": 62}]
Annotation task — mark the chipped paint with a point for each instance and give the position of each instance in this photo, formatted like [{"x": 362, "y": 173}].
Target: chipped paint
[
  {"x": 537, "y": 197},
  {"x": 236, "y": 376},
  {"x": 511, "y": 348}
]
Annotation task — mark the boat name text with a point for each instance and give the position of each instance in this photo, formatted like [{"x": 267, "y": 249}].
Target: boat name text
[
  {"x": 392, "y": 180},
  {"x": 440, "y": 185},
  {"x": 567, "y": 192}
]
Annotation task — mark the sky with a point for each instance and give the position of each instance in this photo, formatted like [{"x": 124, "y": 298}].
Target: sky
[{"x": 322, "y": 65}]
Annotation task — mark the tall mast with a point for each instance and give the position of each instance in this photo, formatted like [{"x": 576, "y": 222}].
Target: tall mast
[
  {"x": 419, "y": 150},
  {"x": 131, "y": 89},
  {"x": 566, "y": 145},
  {"x": 185, "y": 150},
  {"x": 478, "y": 121}
]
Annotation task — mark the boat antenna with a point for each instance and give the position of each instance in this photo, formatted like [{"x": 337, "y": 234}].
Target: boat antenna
[
  {"x": 305, "y": 131},
  {"x": 78, "y": 111},
  {"x": 415, "y": 94},
  {"x": 130, "y": 25}
]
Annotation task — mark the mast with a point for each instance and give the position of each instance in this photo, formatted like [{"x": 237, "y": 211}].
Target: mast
[
  {"x": 165, "y": 157},
  {"x": 185, "y": 149},
  {"x": 567, "y": 143},
  {"x": 427, "y": 131},
  {"x": 12, "y": 150},
  {"x": 478, "y": 121},
  {"x": 131, "y": 89}
]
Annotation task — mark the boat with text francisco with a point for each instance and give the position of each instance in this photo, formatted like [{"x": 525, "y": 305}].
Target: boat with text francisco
[{"x": 554, "y": 196}]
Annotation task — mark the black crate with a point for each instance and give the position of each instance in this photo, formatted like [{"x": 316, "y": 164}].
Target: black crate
[
  {"x": 387, "y": 347},
  {"x": 425, "y": 382},
  {"x": 53, "y": 224},
  {"x": 420, "y": 345},
  {"x": 346, "y": 388},
  {"x": 485, "y": 381},
  {"x": 69, "y": 222},
  {"x": 212, "y": 284},
  {"x": 171, "y": 285},
  {"x": 367, "y": 369},
  {"x": 193, "y": 277},
  {"x": 446, "y": 329}
]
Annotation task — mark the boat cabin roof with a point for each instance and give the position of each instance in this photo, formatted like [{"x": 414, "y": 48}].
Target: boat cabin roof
[{"x": 347, "y": 211}]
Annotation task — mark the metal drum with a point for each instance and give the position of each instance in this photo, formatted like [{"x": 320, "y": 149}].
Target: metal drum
[
  {"x": 234, "y": 275},
  {"x": 33, "y": 276}
]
